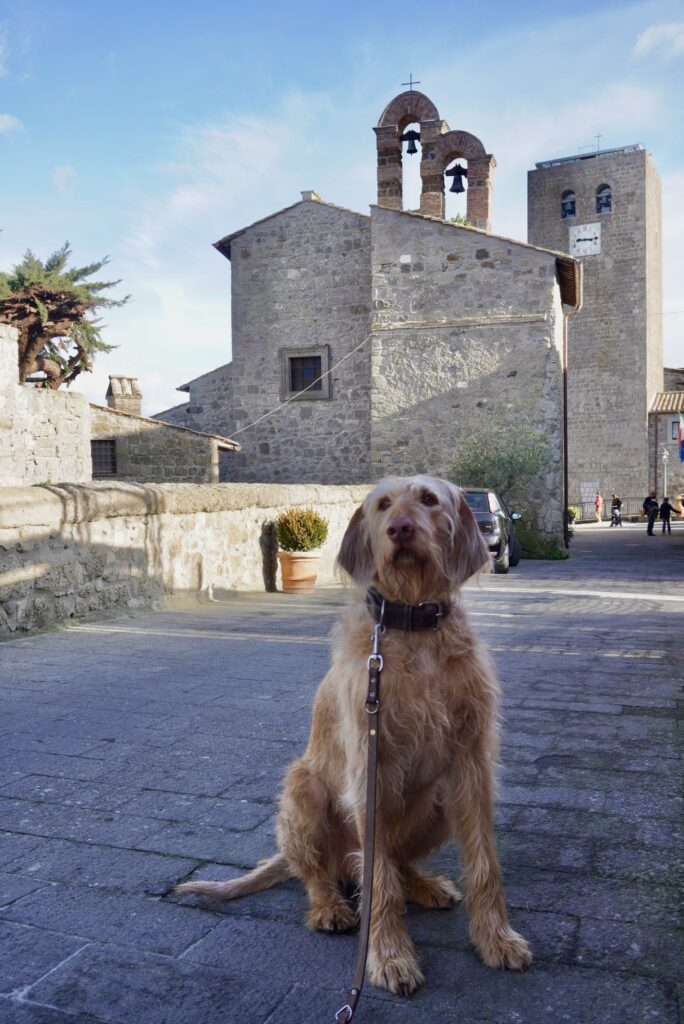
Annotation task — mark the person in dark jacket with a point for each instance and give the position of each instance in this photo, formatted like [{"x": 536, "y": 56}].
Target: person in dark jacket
[
  {"x": 615, "y": 513},
  {"x": 650, "y": 508},
  {"x": 666, "y": 510}
]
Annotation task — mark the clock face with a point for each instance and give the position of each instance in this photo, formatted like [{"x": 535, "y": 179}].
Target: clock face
[{"x": 585, "y": 240}]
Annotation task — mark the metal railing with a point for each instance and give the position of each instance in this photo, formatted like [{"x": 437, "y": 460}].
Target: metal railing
[{"x": 630, "y": 507}]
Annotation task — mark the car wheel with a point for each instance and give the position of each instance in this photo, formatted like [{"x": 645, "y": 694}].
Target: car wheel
[
  {"x": 515, "y": 551},
  {"x": 501, "y": 564}
]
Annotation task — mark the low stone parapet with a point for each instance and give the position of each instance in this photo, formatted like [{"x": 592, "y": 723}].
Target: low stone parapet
[{"x": 73, "y": 551}]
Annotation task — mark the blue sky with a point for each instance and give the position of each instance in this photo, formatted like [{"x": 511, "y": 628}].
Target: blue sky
[{"x": 146, "y": 131}]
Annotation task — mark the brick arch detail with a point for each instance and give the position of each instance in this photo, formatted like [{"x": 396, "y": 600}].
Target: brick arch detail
[
  {"x": 453, "y": 146},
  {"x": 406, "y": 108}
]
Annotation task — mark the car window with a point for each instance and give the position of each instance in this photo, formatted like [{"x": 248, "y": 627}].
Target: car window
[
  {"x": 493, "y": 502},
  {"x": 477, "y": 501}
]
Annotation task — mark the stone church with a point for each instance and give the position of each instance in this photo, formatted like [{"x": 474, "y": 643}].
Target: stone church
[{"x": 366, "y": 344}]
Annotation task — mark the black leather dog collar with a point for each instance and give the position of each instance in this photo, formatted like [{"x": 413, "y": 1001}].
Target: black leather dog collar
[{"x": 395, "y": 615}]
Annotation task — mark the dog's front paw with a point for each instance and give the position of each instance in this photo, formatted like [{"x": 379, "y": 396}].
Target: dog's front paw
[
  {"x": 399, "y": 974},
  {"x": 331, "y": 917},
  {"x": 502, "y": 947}
]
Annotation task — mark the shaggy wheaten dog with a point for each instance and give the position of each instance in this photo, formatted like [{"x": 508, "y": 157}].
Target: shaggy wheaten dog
[{"x": 414, "y": 540}]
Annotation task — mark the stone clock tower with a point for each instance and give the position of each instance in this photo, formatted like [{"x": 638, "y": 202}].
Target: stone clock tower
[{"x": 604, "y": 208}]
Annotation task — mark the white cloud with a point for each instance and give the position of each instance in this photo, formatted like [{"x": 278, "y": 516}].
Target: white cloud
[
  {"x": 9, "y": 123},
  {"x": 666, "y": 37},
  {"x": 64, "y": 179},
  {"x": 226, "y": 169}
]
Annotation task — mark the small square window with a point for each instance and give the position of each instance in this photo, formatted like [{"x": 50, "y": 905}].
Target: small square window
[
  {"x": 304, "y": 373},
  {"x": 103, "y": 454}
]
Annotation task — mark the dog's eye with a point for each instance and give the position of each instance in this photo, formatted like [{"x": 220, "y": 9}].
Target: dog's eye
[
  {"x": 384, "y": 504},
  {"x": 429, "y": 499}
]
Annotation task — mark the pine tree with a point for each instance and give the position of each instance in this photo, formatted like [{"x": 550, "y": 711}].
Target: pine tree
[{"x": 51, "y": 307}]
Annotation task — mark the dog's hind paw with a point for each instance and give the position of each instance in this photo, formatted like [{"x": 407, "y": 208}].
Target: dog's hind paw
[
  {"x": 331, "y": 917},
  {"x": 435, "y": 892},
  {"x": 398, "y": 974}
]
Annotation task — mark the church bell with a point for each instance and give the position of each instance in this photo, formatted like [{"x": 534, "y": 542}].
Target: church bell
[
  {"x": 458, "y": 173},
  {"x": 411, "y": 137}
]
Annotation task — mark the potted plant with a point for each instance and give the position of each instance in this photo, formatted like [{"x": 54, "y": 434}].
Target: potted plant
[{"x": 300, "y": 531}]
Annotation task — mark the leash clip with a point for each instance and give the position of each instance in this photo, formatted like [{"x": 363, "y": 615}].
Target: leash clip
[
  {"x": 376, "y": 660},
  {"x": 344, "y": 1009}
]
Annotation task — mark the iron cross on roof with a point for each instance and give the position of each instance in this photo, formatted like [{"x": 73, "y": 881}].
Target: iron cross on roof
[{"x": 411, "y": 83}]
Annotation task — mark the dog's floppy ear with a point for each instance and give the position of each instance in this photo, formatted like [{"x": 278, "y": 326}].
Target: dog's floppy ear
[
  {"x": 469, "y": 553},
  {"x": 355, "y": 555}
]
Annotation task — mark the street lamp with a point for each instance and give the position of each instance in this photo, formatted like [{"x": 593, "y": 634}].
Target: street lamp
[{"x": 665, "y": 456}]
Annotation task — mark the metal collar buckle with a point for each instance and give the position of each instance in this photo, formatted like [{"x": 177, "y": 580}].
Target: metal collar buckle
[{"x": 436, "y": 608}]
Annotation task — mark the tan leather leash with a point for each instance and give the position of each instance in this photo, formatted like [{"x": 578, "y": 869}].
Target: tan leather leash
[{"x": 375, "y": 664}]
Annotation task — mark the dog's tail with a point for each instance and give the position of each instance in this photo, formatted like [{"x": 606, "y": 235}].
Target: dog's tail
[{"x": 264, "y": 875}]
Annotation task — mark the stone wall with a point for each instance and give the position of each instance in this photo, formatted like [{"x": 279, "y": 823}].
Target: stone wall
[
  {"x": 468, "y": 333},
  {"x": 74, "y": 552},
  {"x": 44, "y": 434},
  {"x": 150, "y": 451},
  {"x": 615, "y": 342}
]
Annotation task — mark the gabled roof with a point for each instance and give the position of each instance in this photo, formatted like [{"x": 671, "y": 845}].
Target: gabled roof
[
  {"x": 223, "y": 244},
  {"x": 569, "y": 270},
  {"x": 226, "y": 443},
  {"x": 668, "y": 401}
]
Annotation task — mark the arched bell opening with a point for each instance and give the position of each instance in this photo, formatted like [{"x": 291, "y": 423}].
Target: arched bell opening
[
  {"x": 411, "y": 156},
  {"x": 456, "y": 190}
]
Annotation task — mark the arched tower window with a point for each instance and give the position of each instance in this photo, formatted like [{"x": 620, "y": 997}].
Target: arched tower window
[
  {"x": 411, "y": 157},
  {"x": 604, "y": 199},
  {"x": 456, "y": 175},
  {"x": 568, "y": 205}
]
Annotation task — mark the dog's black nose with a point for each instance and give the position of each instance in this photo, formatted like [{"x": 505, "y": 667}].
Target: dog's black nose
[{"x": 400, "y": 529}]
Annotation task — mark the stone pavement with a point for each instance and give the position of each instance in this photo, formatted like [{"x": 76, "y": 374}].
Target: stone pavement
[{"x": 142, "y": 751}]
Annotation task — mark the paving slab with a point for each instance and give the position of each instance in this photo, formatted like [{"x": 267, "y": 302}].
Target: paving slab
[{"x": 143, "y": 751}]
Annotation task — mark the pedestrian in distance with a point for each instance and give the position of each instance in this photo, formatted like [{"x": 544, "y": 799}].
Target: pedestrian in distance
[
  {"x": 598, "y": 506},
  {"x": 666, "y": 510},
  {"x": 650, "y": 508},
  {"x": 615, "y": 513}
]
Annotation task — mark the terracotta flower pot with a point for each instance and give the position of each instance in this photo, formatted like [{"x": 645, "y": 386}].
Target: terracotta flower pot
[{"x": 298, "y": 569}]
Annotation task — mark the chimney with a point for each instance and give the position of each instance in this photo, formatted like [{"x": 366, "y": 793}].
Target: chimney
[
  {"x": 124, "y": 395},
  {"x": 311, "y": 196}
]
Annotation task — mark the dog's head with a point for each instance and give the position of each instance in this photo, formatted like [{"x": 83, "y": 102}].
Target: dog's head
[{"x": 416, "y": 538}]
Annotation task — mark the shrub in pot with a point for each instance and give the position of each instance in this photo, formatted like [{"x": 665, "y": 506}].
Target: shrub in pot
[{"x": 300, "y": 531}]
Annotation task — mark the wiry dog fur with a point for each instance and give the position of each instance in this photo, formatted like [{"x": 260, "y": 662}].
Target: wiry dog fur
[{"x": 415, "y": 539}]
